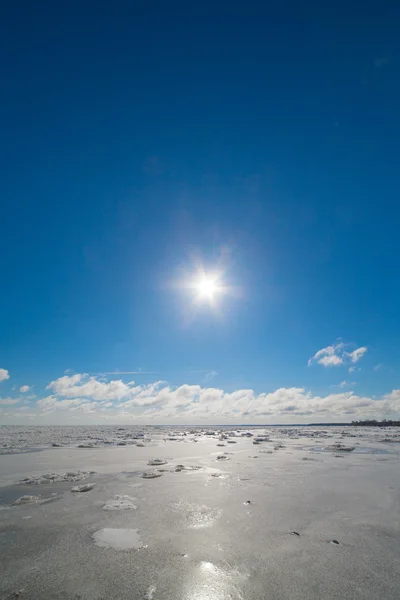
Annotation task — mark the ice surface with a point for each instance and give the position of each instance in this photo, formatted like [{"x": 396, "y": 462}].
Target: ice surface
[
  {"x": 205, "y": 533},
  {"x": 119, "y": 539}
]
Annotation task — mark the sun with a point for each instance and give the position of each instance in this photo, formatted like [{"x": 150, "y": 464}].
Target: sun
[{"x": 207, "y": 288}]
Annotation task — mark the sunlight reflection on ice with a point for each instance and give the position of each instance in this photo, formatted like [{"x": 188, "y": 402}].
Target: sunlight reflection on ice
[
  {"x": 197, "y": 516},
  {"x": 212, "y": 582}
]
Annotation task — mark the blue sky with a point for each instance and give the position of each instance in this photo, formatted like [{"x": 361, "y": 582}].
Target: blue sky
[{"x": 142, "y": 142}]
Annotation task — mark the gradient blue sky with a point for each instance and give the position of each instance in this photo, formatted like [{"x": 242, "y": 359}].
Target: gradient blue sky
[{"x": 140, "y": 140}]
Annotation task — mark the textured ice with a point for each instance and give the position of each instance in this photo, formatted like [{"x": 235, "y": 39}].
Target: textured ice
[
  {"x": 222, "y": 457},
  {"x": 56, "y": 477},
  {"x": 25, "y": 438},
  {"x": 353, "y": 501},
  {"x": 150, "y": 592},
  {"x": 85, "y": 487},
  {"x": 26, "y": 500},
  {"x": 120, "y": 503},
  {"x": 151, "y": 474},
  {"x": 341, "y": 448},
  {"x": 197, "y": 516},
  {"x": 119, "y": 539},
  {"x": 179, "y": 468}
]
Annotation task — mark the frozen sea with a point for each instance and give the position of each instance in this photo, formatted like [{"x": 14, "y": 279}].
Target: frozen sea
[{"x": 299, "y": 513}]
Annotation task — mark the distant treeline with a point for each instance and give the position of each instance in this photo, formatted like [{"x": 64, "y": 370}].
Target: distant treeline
[{"x": 374, "y": 423}]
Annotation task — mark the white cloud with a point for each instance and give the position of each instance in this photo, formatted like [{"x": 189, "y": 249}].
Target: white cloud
[
  {"x": 24, "y": 389},
  {"x": 8, "y": 401},
  {"x": 357, "y": 354},
  {"x": 52, "y": 403},
  {"x": 378, "y": 367},
  {"x": 87, "y": 399},
  {"x": 335, "y": 355},
  {"x": 394, "y": 397},
  {"x": 80, "y": 398},
  {"x": 329, "y": 356},
  {"x": 86, "y": 408},
  {"x": 331, "y": 360},
  {"x": 83, "y": 385},
  {"x": 4, "y": 374}
]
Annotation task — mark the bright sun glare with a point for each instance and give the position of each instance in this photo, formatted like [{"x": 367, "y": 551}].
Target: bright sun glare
[{"x": 207, "y": 287}]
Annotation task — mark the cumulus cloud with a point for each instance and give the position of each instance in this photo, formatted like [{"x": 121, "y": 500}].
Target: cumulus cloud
[
  {"x": 329, "y": 356},
  {"x": 357, "y": 354},
  {"x": 83, "y": 385},
  {"x": 82, "y": 398},
  {"x": 331, "y": 360},
  {"x": 393, "y": 397},
  {"x": 336, "y": 355},
  {"x": 4, "y": 374},
  {"x": 24, "y": 389}
]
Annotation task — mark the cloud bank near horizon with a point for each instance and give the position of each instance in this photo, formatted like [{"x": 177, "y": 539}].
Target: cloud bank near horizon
[{"x": 81, "y": 398}]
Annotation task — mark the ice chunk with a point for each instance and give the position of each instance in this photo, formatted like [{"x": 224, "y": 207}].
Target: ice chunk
[
  {"x": 26, "y": 500},
  {"x": 151, "y": 474},
  {"x": 85, "y": 487}
]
